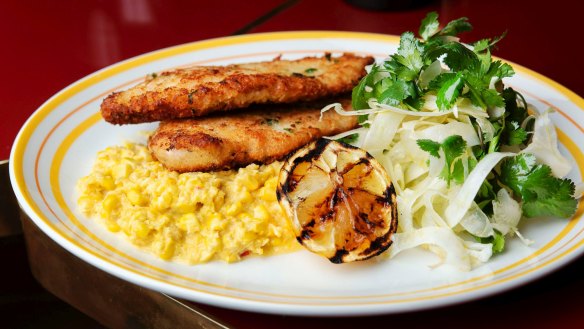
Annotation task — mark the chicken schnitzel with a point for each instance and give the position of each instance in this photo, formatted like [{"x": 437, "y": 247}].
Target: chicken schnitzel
[
  {"x": 259, "y": 135},
  {"x": 200, "y": 90}
]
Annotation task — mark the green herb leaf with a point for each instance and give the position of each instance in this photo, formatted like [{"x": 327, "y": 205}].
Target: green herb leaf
[
  {"x": 395, "y": 92},
  {"x": 449, "y": 92},
  {"x": 409, "y": 53},
  {"x": 429, "y": 25},
  {"x": 487, "y": 44},
  {"x": 453, "y": 147},
  {"x": 466, "y": 72},
  {"x": 481, "y": 45},
  {"x": 456, "y": 27},
  {"x": 542, "y": 193},
  {"x": 349, "y": 138},
  {"x": 498, "y": 241},
  {"x": 360, "y": 96},
  {"x": 458, "y": 57},
  {"x": 515, "y": 135},
  {"x": 429, "y": 146}
]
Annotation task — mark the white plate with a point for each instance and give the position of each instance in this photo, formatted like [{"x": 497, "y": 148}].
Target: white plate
[{"x": 58, "y": 144}]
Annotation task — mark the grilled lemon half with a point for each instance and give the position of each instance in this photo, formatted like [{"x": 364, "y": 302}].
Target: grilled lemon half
[{"x": 340, "y": 201}]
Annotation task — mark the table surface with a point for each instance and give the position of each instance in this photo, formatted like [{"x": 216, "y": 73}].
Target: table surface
[{"x": 48, "y": 45}]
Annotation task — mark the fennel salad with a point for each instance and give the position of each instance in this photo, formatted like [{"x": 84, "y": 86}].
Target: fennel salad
[{"x": 468, "y": 156}]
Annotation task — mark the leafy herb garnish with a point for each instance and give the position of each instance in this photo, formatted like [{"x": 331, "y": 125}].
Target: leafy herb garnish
[
  {"x": 542, "y": 193},
  {"x": 467, "y": 71},
  {"x": 497, "y": 240},
  {"x": 453, "y": 147},
  {"x": 349, "y": 138},
  {"x": 437, "y": 67}
]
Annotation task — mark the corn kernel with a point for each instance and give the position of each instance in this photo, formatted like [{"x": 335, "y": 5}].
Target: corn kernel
[
  {"x": 245, "y": 197},
  {"x": 183, "y": 207},
  {"x": 122, "y": 170},
  {"x": 268, "y": 194},
  {"x": 188, "y": 223},
  {"x": 111, "y": 202},
  {"x": 167, "y": 250},
  {"x": 140, "y": 229},
  {"x": 108, "y": 183},
  {"x": 216, "y": 222},
  {"x": 249, "y": 237},
  {"x": 261, "y": 212},
  {"x": 251, "y": 184},
  {"x": 112, "y": 226},
  {"x": 163, "y": 201},
  {"x": 135, "y": 197},
  {"x": 233, "y": 209}
]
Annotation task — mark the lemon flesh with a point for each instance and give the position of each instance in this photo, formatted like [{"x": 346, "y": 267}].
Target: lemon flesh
[{"x": 340, "y": 201}]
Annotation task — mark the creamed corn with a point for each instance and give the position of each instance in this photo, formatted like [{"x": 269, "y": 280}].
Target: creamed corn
[{"x": 192, "y": 217}]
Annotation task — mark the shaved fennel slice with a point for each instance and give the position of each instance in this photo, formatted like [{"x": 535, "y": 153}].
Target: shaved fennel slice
[
  {"x": 437, "y": 164},
  {"x": 579, "y": 192},
  {"x": 476, "y": 222},
  {"x": 506, "y": 212},
  {"x": 462, "y": 199},
  {"x": 430, "y": 216},
  {"x": 382, "y": 131},
  {"x": 433, "y": 70},
  {"x": 462, "y": 106},
  {"x": 439, "y": 133},
  {"x": 544, "y": 146},
  {"x": 359, "y": 131},
  {"x": 487, "y": 129},
  {"x": 479, "y": 252},
  {"x": 447, "y": 245},
  {"x": 412, "y": 199},
  {"x": 337, "y": 107},
  {"x": 433, "y": 113},
  {"x": 405, "y": 200},
  {"x": 387, "y": 163}
]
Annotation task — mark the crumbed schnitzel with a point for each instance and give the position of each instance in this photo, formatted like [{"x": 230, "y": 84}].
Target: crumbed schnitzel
[
  {"x": 260, "y": 135},
  {"x": 198, "y": 91}
]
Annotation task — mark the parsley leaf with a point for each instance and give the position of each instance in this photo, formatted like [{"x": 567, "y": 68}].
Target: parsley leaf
[
  {"x": 456, "y": 27},
  {"x": 542, "y": 193},
  {"x": 514, "y": 134},
  {"x": 429, "y": 146},
  {"x": 498, "y": 241},
  {"x": 458, "y": 57},
  {"x": 409, "y": 53},
  {"x": 349, "y": 138},
  {"x": 449, "y": 91},
  {"x": 429, "y": 25},
  {"x": 487, "y": 44},
  {"x": 453, "y": 147},
  {"x": 396, "y": 92},
  {"x": 360, "y": 96},
  {"x": 464, "y": 72}
]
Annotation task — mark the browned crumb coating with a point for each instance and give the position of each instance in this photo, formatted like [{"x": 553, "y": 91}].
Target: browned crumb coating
[
  {"x": 256, "y": 136},
  {"x": 198, "y": 91}
]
